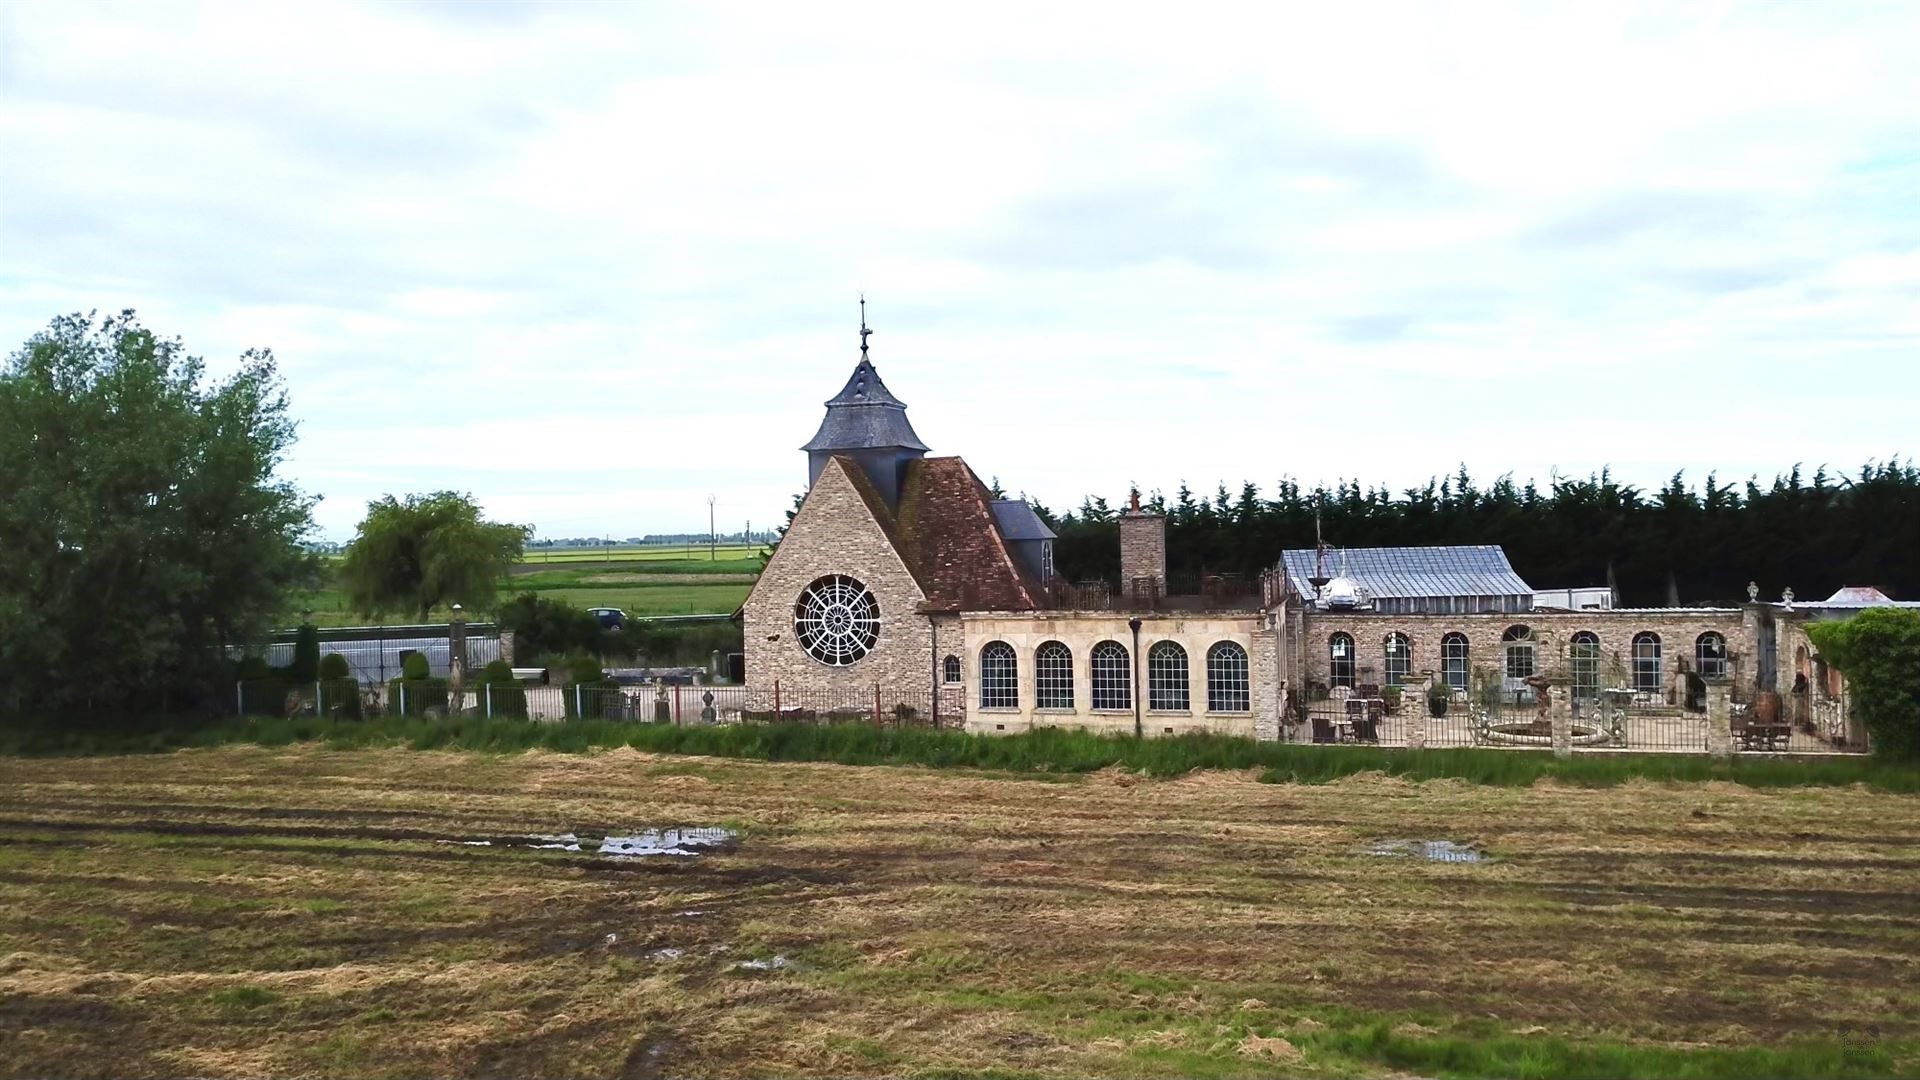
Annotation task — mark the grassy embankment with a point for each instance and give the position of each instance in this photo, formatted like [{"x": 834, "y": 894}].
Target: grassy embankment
[
  {"x": 247, "y": 911},
  {"x": 640, "y": 586},
  {"x": 1047, "y": 751}
]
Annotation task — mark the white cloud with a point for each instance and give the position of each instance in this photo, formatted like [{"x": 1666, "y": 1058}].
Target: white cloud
[{"x": 593, "y": 263}]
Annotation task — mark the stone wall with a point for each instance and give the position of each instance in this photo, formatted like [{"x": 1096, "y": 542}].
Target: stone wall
[
  {"x": 1143, "y": 549},
  {"x": 1678, "y": 628},
  {"x": 834, "y": 533},
  {"x": 1081, "y": 631}
]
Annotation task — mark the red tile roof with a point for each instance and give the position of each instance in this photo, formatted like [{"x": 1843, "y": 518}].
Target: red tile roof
[{"x": 945, "y": 532}]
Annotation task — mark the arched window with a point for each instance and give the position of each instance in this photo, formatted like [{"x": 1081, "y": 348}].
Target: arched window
[
  {"x": 1517, "y": 647},
  {"x": 999, "y": 677},
  {"x": 950, "y": 669},
  {"x": 1399, "y": 659},
  {"x": 1453, "y": 660},
  {"x": 1112, "y": 676},
  {"x": 1646, "y": 662},
  {"x": 1340, "y": 659},
  {"x": 1167, "y": 678},
  {"x": 1053, "y": 676},
  {"x": 1228, "y": 687},
  {"x": 1583, "y": 657},
  {"x": 1710, "y": 655}
]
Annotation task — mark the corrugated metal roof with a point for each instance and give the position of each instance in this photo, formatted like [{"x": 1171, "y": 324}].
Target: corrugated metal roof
[
  {"x": 1391, "y": 572},
  {"x": 1017, "y": 521}
]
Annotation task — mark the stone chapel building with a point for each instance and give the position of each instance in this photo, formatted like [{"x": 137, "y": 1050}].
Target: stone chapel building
[{"x": 902, "y": 575}]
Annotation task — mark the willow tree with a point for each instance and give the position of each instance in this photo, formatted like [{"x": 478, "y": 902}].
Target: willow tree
[
  {"x": 414, "y": 555},
  {"x": 143, "y": 524}
]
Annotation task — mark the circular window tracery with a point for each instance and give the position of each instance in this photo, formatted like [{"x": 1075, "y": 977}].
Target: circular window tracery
[{"x": 837, "y": 620}]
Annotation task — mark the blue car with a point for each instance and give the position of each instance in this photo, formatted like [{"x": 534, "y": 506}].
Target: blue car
[{"x": 611, "y": 618}]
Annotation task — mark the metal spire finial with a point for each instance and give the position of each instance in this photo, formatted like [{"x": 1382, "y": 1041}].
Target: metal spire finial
[{"x": 864, "y": 332}]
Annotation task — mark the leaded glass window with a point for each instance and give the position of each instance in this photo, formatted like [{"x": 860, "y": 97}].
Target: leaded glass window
[
  {"x": 1583, "y": 657},
  {"x": 999, "y": 677},
  {"x": 1646, "y": 662},
  {"x": 1517, "y": 645},
  {"x": 1112, "y": 676},
  {"x": 1453, "y": 660},
  {"x": 1167, "y": 678},
  {"x": 1053, "y": 676},
  {"x": 1228, "y": 687},
  {"x": 1710, "y": 655},
  {"x": 1399, "y": 659},
  {"x": 836, "y": 620},
  {"x": 1340, "y": 660}
]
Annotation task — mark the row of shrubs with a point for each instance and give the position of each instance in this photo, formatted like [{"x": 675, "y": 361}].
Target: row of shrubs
[
  {"x": 1047, "y": 750},
  {"x": 334, "y": 692},
  {"x": 546, "y": 627}
]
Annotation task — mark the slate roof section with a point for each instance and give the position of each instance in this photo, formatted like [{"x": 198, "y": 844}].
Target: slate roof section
[
  {"x": 1017, "y": 521},
  {"x": 1415, "y": 572},
  {"x": 864, "y": 415}
]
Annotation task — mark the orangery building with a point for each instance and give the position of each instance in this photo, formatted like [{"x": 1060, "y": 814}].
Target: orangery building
[{"x": 901, "y": 576}]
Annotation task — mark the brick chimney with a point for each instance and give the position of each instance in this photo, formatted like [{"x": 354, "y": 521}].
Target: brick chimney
[{"x": 1143, "y": 551}]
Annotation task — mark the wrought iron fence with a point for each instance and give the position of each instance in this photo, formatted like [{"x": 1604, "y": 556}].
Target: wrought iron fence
[
  {"x": 1192, "y": 592},
  {"x": 653, "y": 703}
]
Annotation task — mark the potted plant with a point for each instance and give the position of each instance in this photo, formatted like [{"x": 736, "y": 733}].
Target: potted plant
[{"x": 1437, "y": 700}]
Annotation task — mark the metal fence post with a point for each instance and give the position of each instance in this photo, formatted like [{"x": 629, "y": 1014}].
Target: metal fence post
[
  {"x": 776, "y": 699},
  {"x": 677, "y": 717},
  {"x": 488, "y": 688},
  {"x": 239, "y": 699},
  {"x": 319, "y": 701},
  {"x": 403, "y": 697},
  {"x": 876, "y": 704},
  {"x": 578, "y": 713}
]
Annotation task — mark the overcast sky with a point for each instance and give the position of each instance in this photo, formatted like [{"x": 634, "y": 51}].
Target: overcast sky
[{"x": 594, "y": 263}]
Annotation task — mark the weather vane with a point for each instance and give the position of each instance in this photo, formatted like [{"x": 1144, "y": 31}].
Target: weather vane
[{"x": 864, "y": 332}]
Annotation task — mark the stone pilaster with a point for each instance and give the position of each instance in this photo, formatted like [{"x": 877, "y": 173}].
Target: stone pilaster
[
  {"x": 1560, "y": 716},
  {"x": 1413, "y": 708},
  {"x": 1719, "y": 721}
]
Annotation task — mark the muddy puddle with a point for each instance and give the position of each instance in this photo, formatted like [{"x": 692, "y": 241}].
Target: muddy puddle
[
  {"x": 683, "y": 841},
  {"x": 772, "y": 963},
  {"x": 1431, "y": 850}
]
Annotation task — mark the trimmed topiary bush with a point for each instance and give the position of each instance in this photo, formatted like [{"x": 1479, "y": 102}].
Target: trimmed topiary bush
[
  {"x": 306, "y": 655},
  {"x": 339, "y": 690},
  {"x": 500, "y": 693},
  {"x": 416, "y": 692},
  {"x": 590, "y": 694}
]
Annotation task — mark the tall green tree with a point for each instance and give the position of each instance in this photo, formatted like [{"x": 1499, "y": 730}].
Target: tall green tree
[
  {"x": 1878, "y": 651},
  {"x": 144, "y": 525},
  {"x": 414, "y": 555}
]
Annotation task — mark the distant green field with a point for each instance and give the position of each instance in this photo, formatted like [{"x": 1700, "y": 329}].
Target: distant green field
[
  {"x": 619, "y": 553},
  {"x": 640, "y": 587}
]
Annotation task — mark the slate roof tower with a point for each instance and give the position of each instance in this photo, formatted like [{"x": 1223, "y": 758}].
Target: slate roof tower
[{"x": 867, "y": 423}]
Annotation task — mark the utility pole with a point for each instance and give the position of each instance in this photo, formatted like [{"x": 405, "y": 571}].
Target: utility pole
[{"x": 712, "y": 539}]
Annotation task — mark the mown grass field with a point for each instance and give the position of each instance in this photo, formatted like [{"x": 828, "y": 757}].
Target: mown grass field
[
  {"x": 699, "y": 552},
  {"x": 269, "y": 911},
  {"x": 640, "y": 586}
]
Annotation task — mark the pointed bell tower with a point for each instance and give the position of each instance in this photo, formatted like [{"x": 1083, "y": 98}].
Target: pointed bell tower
[{"x": 867, "y": 423}]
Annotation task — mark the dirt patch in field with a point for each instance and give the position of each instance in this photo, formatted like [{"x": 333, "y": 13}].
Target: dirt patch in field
[{"x": 298, "y": 911}]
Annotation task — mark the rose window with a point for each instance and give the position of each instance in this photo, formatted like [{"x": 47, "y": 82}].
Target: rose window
[{"x": 837, "y": 620}]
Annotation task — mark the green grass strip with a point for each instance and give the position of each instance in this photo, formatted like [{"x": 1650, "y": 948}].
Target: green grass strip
[
  {"x": 1047, "y": 750},
  {"x": 1542, "y": 1058}
]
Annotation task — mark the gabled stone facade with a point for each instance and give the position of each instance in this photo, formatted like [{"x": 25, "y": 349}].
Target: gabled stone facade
[{"x": 836, "y": 532}]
